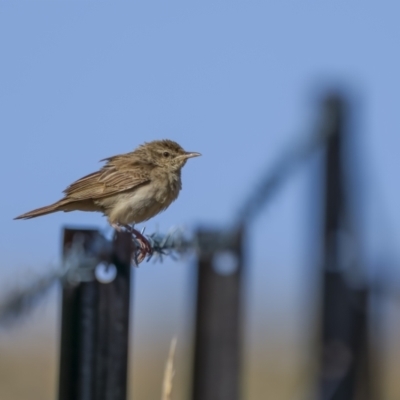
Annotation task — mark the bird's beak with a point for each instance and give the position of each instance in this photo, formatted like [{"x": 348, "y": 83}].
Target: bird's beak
[{"x": 191, "y": 154}]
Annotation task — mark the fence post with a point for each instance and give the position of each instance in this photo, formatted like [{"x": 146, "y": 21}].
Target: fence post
[
  {"x": 95, "y": 325},
  {"x": 344, "y": 304},
  {"x": 216, "y": 372}
]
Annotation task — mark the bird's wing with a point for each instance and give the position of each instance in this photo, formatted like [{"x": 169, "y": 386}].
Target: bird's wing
[{"x": 118, "y": 175}]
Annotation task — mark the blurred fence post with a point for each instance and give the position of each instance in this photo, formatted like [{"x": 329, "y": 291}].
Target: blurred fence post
[
  {"x": 216, "y": 372},
  {"x": 95, "y": 325},
  {"x": 345, "y": 356}
]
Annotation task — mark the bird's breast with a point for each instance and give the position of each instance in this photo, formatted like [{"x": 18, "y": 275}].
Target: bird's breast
[{"x": 142, "y": 203}]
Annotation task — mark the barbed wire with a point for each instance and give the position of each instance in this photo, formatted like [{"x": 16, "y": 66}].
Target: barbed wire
[
  {"x": 19, "y": 301},
  {"x": 78, "y": 266},
  {"x": 273, "y": 179}
]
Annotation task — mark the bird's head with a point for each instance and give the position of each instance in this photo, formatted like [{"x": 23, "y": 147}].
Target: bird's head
[{"x": 168, "y": 154}]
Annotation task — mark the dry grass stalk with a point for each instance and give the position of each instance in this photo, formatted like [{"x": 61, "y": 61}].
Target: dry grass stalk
[{"x": 169, "y": 372}]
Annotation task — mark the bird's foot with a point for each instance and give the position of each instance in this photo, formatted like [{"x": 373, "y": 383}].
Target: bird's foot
[{"x": 145, "y": 246}]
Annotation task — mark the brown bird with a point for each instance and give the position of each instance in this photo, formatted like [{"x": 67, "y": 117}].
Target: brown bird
[{"x": 130, "y": 188}]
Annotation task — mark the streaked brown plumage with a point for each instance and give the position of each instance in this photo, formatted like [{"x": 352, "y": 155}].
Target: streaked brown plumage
[{"x": 130, "y": 188}]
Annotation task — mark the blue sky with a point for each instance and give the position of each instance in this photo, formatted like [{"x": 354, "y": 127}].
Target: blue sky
[{"x": 238, "y": 82}]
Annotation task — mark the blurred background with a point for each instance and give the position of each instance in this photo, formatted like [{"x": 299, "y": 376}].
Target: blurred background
[{"x": 240, "y": 83}]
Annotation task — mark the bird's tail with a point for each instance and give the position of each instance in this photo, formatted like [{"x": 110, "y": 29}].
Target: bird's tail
[{"x": 41, "y": 211}]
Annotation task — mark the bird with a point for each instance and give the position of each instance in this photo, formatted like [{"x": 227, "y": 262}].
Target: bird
[{"x": 129, "y": 188}]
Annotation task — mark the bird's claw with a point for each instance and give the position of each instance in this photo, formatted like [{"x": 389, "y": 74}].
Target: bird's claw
[
  {"x": 144, "y": 244},
  {"x": 141, "y": 242}
]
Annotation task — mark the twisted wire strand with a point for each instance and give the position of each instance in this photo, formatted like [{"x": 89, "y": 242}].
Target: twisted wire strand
[
  {"x": 78, "y": 266},
  {"x": 285, "y": 166},
  {"x": 174, "y": 243},
  {"x": 20, "y": 301}
]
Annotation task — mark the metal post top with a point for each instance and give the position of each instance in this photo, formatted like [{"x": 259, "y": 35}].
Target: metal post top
[{"x": 211, "y": 241}]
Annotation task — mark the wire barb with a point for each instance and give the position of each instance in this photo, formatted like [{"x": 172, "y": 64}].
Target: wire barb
[{"x": 80, "y": 265}]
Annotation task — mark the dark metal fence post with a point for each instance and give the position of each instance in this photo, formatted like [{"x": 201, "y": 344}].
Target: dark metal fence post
[
  {"x": 216, "y": 373},
  {"x": 95, "y": 326},
  {"x": 344, "y": 319}
]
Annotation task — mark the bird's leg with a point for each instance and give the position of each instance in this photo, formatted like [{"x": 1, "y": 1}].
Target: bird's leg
[
  {"x": 116, "y": 226},
  {"x": 145, "y": 246}
]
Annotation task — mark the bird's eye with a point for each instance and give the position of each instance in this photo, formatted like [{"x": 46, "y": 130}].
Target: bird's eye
[{"x": 166, "y": 154}]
